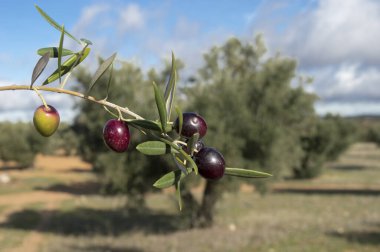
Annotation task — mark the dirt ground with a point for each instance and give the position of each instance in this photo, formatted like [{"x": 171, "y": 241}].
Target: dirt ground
[
  {"x": 66, "y": 169},
  {"x": 56, "y": 180}
]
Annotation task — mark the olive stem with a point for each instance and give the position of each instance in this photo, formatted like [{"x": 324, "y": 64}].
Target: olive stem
[
  {"x": 41, "y": 97},
  {"x": 120, "y": 116},
  {"x": 180, "y": 142},
  {"x": 76, "y": 94}
]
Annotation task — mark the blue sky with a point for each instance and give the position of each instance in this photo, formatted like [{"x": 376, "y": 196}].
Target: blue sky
[{"x": 334, "y": 41}]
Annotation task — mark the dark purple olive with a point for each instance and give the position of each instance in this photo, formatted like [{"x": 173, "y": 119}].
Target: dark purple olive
[
  {"x": 210, "y": 163},
  {"x": 192, "y": 123},
  {"x": 116, "y": 135}
]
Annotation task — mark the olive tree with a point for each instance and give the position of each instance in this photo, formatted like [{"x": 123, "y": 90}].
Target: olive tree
[{"x": 255, "y": 115}]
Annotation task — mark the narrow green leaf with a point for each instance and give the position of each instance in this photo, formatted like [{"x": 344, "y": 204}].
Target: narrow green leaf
[
  {"x": 179, "y": 164},
  {"x": 77, "y": 62},
  {"x": 101, "y": 70},
  {"x": 109, "y": 82},
  {"x": 155, "y": 148},
  {"x": 67, "y": 66},
  {"x": 180, "y": 118},
  {"x": 54, "y": 51},
  {"x": 190, "y": 162},
  {"x": 183, "y": 153},
  {"x": 191, "y": 143},
  {"x": 54, "y": 23},
  {"x": 239, "y": 172},
  {"x": 159, "y": 97},
  {"x": 169, "y": 179},
  {"x": 145, "y": 124},
  {"x": 170, "y": 88},
  {"x": 60, "y": 52},
  {"x": 40, "y": 66},
  {"x": 178, "y": 192}
]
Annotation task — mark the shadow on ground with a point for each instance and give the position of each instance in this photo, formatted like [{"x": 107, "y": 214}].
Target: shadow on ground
[
  {"x": 88, "y": 221},
  {"x": 364, "y": 156},
  {"x": 348, "y": 168},
  {"x": 329, "y": 191},
  {"x": 104, "y": 248},
  {"x": 13, "y": 167},
  {"x": 370, "y": 237},
  {"x": 82, "y": 188},
  {"x": 79, "y": 170}
]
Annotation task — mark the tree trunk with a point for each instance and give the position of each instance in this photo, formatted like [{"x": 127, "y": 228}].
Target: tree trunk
[
  {"x": 204, "y": 217},
  {"x": 190, "y": 207}
]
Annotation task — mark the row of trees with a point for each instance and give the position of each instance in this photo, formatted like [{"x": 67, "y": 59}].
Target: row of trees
[
  {"x": 21, "y": 143},
  {"x": 368, "y": 128}
]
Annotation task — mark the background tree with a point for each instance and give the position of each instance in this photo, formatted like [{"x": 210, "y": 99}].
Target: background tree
[
  {"x": 65, "y": 142},
  {"x": 131, "y": 173},
  {"x": 254, "y": 114},
  {"x": 327, "y": 139},
  {"x": 20, "y": 143}
]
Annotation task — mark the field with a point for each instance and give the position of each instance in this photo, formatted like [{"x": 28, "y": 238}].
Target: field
[{"x": 55, "y": 207}]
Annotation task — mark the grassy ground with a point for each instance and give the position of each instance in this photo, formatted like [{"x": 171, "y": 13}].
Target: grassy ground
[{"x": 337, "y": 212}]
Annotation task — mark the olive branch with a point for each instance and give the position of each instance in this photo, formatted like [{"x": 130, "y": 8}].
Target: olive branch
[{"x": 188, "y": 152}]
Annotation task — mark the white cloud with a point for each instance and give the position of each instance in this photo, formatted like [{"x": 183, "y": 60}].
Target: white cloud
[
  {"x": 143, "y": 34},
  {"x": 90, "y": 15},
  {"x": 350, "y": 82},
  {"x": 338, "y": 31},
  {"x": 329, "y": 32},
  {"x": 336, "y": 42},
  {"x": 348, "y": 108},
  {"x": 131, "y": 18}
]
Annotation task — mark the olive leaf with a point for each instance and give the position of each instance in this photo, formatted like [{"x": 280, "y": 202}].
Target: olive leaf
[
  {"x": 179, "y": 163},
  {"x": 189, "y": 161},
  {"x": 246, "y": 173},
  {"x": 159, "y": 97},
  {"x": 54, "y": 52},
  {"x": 170, "y": 88},
  {"x": 178, "y": 192},
  {"x": 54, "y": 23},
  {"x": 68, "y": 65},
  {"x": 145, "y": 124},
  {"x": 191, "y": 143},
  {"x": 101, "y": 70},
  {"x": 60, "y": 52},
  {"x": 180, "y": 118},
  {"x": 169, "y": 179},
  {"x": 155, "y": 148},
  {"x": 40, "y": 66},
  {"x": 109, "y": 82}
]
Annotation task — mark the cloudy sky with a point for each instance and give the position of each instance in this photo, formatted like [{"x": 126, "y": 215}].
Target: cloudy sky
[{"x": 335, "y": 41}]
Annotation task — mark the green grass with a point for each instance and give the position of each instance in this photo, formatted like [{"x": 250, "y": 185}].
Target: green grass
[
  {"x": 2, "y": 208},
  {"x": 245, "y": 222},
  {"x": 28, "y": 184},
  {"x": 18, "y": 225},
  {"x": 10, "y": 238}
]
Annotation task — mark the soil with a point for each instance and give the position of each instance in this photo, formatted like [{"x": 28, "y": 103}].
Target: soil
[{"x": 69, "y": 168}]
